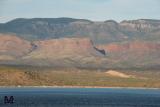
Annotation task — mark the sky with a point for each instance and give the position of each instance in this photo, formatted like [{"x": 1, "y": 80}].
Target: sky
[{"x": 95, "y": 10}]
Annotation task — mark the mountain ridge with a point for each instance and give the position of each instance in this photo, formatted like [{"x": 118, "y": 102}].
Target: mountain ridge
[
  {"x": 99, "y": 32},
  {"x": 68, "y": 42}
]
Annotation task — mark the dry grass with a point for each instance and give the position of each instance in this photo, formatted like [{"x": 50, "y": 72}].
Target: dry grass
[{"x": 15, "y": 76}]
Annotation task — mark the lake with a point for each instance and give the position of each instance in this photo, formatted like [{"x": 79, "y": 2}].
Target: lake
[{"x": 80, "y": 97}]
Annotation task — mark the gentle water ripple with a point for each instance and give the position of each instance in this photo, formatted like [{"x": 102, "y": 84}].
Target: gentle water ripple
[{"x": 80, "y": 97}]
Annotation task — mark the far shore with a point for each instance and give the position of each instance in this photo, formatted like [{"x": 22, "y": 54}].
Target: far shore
[{"x": 77, "y": 87}]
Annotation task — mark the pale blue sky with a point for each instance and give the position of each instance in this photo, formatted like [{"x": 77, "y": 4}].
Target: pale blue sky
[{"x": 96, "y": 10}]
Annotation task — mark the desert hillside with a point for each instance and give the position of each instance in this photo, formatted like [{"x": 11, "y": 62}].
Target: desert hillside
[
  {"x": 78, "y": 52},
  {"x": 51, "y": 76},
  {"x": 81, "y": 43}
]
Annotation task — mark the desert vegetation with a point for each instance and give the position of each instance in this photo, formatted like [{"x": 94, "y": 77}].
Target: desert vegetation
[{"x": 48, "y": 76}]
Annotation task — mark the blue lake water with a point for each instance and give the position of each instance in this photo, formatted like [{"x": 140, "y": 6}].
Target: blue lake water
[{"x": 80, "y": 97}]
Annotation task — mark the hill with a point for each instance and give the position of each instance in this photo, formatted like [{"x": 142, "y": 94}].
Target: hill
[
  {"x": 68, "y": 42},
  {"x": 99, "y": 32}
]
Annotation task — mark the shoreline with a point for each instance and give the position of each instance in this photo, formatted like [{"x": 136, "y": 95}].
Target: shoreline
[{"x": 98, "y": 87}]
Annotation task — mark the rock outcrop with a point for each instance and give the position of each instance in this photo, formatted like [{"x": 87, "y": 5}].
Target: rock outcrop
[
  {"x": 133, "y": 54},
  {"x": 12, "y": 46},
  {"x": 64, "y": 47},
  {"x": 145, "y": 25},
  {"x": 132, "y": 46}
]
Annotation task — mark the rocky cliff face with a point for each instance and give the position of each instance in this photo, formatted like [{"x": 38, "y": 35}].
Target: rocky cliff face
[
  {"x": 132, "y": 46},
  {"x": 76, "y": 45},
  {"x": 58, "y": 52},
  {"x": 144, "y": 25},
  {"x": 55, "y": 48},
  {"x": 77, "y": 52},
  {"x": 13, "y": 47},
  {"x": 133, "y": 54},
  {"x": 66, "y": 41}
]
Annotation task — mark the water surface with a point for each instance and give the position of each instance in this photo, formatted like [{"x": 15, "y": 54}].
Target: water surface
[{"x": 80, "y": 97}]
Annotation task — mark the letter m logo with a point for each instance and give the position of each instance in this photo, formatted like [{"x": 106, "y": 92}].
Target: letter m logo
[{"x": 8, "y": 100}]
